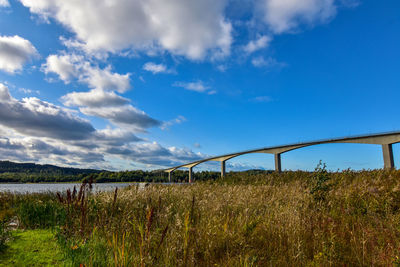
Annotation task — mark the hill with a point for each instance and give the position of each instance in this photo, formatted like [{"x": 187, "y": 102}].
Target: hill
[
  {"x": 12, "y": 172},
  {"x": 13, "y": 167}
]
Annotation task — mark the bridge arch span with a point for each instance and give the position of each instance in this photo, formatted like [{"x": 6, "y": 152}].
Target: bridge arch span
[{"x": 384, "y": 139}]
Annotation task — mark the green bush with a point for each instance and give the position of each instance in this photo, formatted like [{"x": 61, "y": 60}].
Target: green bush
[{"x": 320, "y": 185}]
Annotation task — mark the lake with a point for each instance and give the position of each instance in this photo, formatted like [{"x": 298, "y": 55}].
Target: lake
[{"x": 59, "y": 187}]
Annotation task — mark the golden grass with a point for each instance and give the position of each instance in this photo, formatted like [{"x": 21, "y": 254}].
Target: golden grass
[
  {"x": 260, "y": 220},
  {"x": 290, "y": 219}
]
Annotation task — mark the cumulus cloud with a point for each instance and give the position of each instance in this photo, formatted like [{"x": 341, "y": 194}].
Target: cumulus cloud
[
  {"x": 35, "y": 130},
  {"x": 197, "y": 86},
  {"x": 286, "y": 15},
  {"x": 116, "y": 137},
  {"x": 155, "y": 154},
  {"x": 156, "y": 68},
  {"x": 124, "y": 116},
  {"x": 68, "y": 66},
  {"x": 110, "y": 106},
  {"x": 259, "y": 43},
  {"x": 101, "y": 101},
  {"x": 190, "y": 28},
  {"x": 106, "y": 80},
  {"x": 15, "y": 51},
  {"x": 33, "y": 149},
  {"x": 95, "y": 98},
  {"x": 63, "y": 65},
  {"x": 4, "y": 3},
  {"x": 34, "y": 117}
]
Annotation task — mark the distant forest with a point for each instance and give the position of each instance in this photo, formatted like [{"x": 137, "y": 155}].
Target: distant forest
[{"x": 11, "y": 172}]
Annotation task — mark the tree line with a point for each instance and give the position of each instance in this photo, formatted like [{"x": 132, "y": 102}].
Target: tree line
[{"x": 11, "y": 172}]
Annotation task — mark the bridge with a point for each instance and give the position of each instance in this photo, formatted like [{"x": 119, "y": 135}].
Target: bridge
[{"x": 384, "y": 139}]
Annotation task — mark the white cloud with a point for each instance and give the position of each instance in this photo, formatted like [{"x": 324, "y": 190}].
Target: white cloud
[
  {"x": 29, "y": 91},
  {"x": 286, "y": 15},
  {"x": 4, "y": 3},
  {"x": 106, "y": 80},
  {"x": 190, "y": 28},
  {"x": 260, "y": 43},
  {"x": 197, "y": 86},
  {"x": 180, "y": 119},
  {"x": 156, "y": 68},
  {"x": 260, "y": 62},
  {"x": 38, "y": 131},
  {"x": 155, "y": 154},
  {"x": 110, "y": 106},
  {"x": 15, "y": 51},
  {"x": 34, "y": 117},
  {"x": 222, "y": 68},
  {"x": 123, "y": 116},
  {"x": 94, "y": 98},
  {"x": 261, "y": 99},
  {"x": 68, "y": 66},
  {"x": 102, "y": 101},
  {"x": 116, "y": 137}
]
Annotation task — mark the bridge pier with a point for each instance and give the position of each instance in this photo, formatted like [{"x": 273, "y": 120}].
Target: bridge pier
[
  {"x": 169, "y": 176},
  {"x": 190, "y": 174},
  {"x": 222, "y": 169},
  {"x": 388, "y": 161},
  {"x": 278, "y": 167}
]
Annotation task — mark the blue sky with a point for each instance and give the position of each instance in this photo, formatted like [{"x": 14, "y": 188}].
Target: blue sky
[{"x": 149, "y": 84}]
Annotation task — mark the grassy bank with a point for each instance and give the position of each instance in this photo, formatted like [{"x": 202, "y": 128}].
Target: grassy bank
[{"x": 294, "y": 218}]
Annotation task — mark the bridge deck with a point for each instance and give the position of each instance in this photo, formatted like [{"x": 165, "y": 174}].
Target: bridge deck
[{"x": 384, "y": 139}]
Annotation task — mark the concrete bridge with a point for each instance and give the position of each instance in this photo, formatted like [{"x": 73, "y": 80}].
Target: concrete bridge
[{"x": 384, "y": 139}]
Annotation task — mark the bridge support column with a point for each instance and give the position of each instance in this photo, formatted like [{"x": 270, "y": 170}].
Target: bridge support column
[
  {"x": 169, "y": 176},
  {"x": 190, "y": 174},
  {"x": 222, "y": 169},
  {"x": 388, "y": 156},
  {"x": 278, "y": 167}
]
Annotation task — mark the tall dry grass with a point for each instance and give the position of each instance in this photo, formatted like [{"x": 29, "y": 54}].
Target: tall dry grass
[
  {"x": 257, "y": 220},
  {"x": 294, "y": 218}
]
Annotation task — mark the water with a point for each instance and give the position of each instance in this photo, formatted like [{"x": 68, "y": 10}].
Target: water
[{"x": 59, "y": 187}]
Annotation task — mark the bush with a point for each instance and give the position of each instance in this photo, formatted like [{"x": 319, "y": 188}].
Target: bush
[{"x": 320, "y": 185}]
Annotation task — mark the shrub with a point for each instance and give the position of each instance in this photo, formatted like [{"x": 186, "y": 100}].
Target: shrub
[{"x": 320, "y": 185}]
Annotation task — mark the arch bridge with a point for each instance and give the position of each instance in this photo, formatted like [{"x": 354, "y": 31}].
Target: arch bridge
[{"x": 384, "y": 139}]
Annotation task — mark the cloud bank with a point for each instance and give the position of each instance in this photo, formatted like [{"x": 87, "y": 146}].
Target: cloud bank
[{"x": 36, "y": 130}]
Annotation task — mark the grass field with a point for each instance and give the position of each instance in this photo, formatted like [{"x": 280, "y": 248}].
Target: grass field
[
  {"x": 294, "y": 218},
  {"x": 32, "y": 248}
]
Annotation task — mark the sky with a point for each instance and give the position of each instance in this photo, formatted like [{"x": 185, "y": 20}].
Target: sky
[{"x": 134, "y": 84}]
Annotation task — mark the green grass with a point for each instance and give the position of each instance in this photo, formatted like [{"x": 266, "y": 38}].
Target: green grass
[{"x": 32, "y": 248}]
